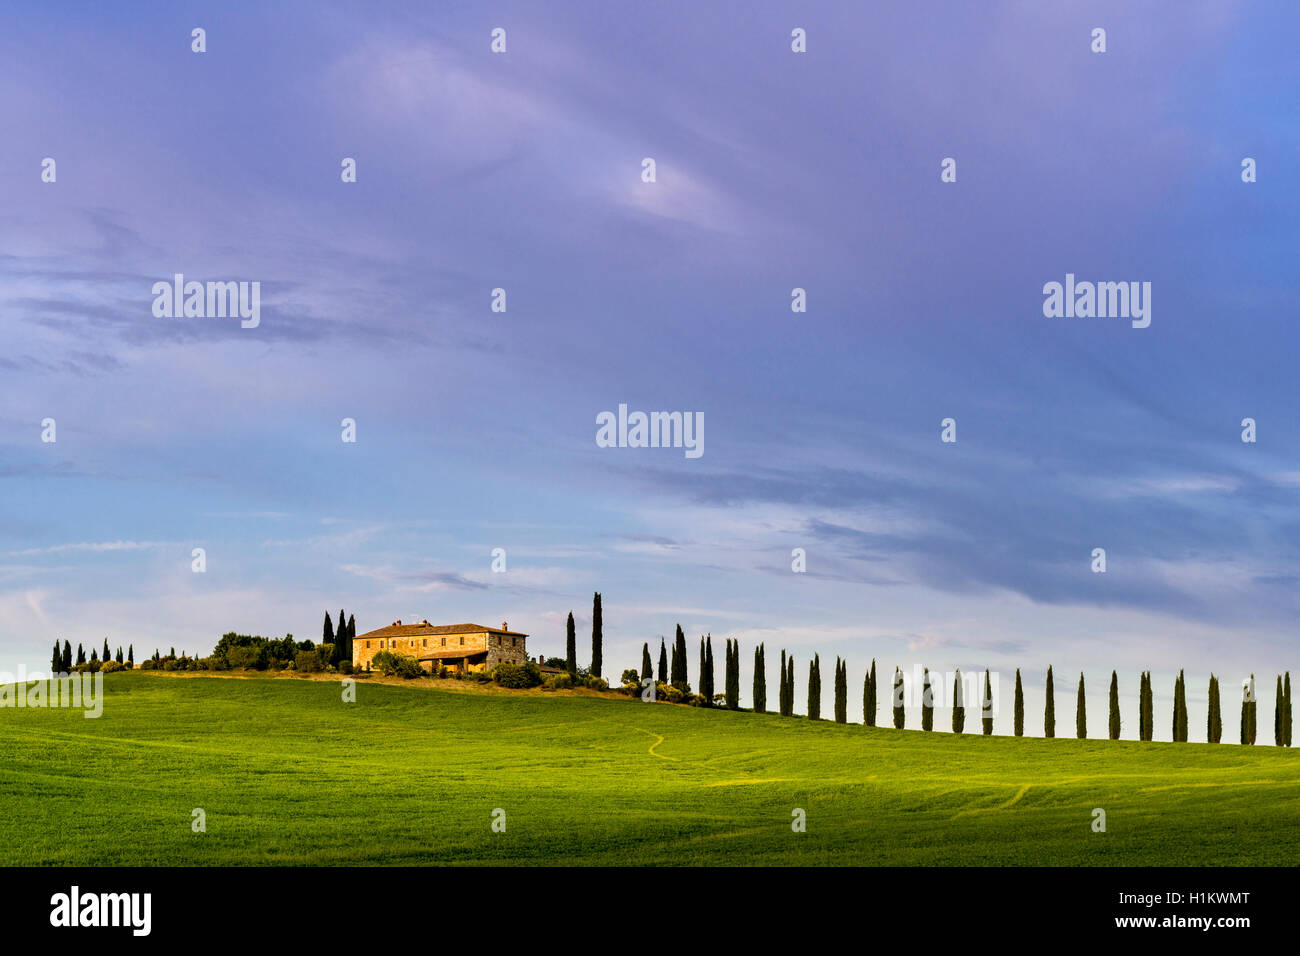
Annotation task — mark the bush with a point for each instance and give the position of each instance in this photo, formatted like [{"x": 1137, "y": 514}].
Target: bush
[
  {"x": 559, "y": 682},
  {"x": 109, "y": 667},
  {"x": 481, "y": 677},
  {"x": 345, "y": 667},
  {"x": 242, "y": 658},
  {"x": 396, "y": 665},
  {"x": 517, "y": 675},
  {"x": 695, "y": 700},
  {"x": 171, "y": 664},
  {"x": 597, "y": 683},
  {"x": 147, "y": 665},
  {"x": 307, "y": 662},
  {"x": 670, "y": 693},
  {"x": 630, "y": 677}
]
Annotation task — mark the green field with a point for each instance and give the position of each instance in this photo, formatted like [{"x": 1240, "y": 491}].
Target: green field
[{"x": 289, "y": 774}]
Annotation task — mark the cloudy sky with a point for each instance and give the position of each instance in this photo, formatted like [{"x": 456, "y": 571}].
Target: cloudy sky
[{"x": 775, "y": 170}]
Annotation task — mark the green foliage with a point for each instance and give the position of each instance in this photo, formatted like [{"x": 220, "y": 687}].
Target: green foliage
[
  {"x": 597, "y": 636},
  {"x": 841, "y": 692},
  {"x": 647, "y": 667},
  {"x": 109, "y": 666},
  {"x": 815, "y": 688},
  {"x": 571, "y": 647},
  {"x": 987, "y": 705},
  {"x": 760, "y": 680},
  {"x": 927, "y": 702},
  {"x": 559, "y": 682},
  {"x": 1049, "y": 709},
  {"x": 958, "y": 708},
  {"x": 900, "y": 712},
  {"x": 1114, "y": 706},
  {"x": 387, "y": 663},
  {"x": 1080, "y": 712},
  {"x": 519, "y": 675}
]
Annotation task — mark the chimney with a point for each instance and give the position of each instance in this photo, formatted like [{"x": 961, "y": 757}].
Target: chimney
[{"x": 505, "y": 626}]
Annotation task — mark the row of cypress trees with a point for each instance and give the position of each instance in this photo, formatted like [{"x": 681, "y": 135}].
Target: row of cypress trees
[
  {"x": 62, "y": 661},
  {"x": 341, "y": 639}
]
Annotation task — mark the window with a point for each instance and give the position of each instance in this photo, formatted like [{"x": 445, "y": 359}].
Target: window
[
  {"x": 498, "y": 640},
  {"x": 462, "y": 642},
  {"x": 444, "y": 642},
  {"x": 426, "y": 642},
  {"x": 514, "y": 642},
  {"x": 367, "y": 645}
]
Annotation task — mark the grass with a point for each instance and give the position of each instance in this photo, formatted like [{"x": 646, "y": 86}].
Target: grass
[{"x": 289, "y": 774}]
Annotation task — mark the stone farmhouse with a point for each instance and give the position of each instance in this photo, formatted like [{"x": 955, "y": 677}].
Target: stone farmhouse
[{"x": 464, "y": 647}]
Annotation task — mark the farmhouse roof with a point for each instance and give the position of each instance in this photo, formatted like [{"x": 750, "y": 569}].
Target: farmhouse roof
[{"x": 425, "y": 629}]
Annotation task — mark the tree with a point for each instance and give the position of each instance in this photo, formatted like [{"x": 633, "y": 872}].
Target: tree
[
  {"x": 815, "y": 689},
  {"x": 733, "y": 675},
  {"x": 1214, "y": 719},
  {"x": 1147, "y": 706},
  {"x": 597, "y": 636},
  {"x": 352, "y": 636},
  {"x": 1080, "y": 712},
  {"x": 869, "y": 697},
  {"x": 647, "y": 666},
  {"x": 760, "y": 680},
  {"x": 107, "y": 655},
  {"x": 1277, "y": 713},
  {"x": 663, "y": 661},
  {"x": 841, "y": 692},
  {"x": 327, "y": 632},
  {"x": 81, "y": 654},
  {"x": 706, "y": 670},
  {"x": 571, "y": 647},
  {"x": 1049, "y": 711},
  {"x": 1286, "y": 713},
  {"x": 958, "y": 711},
  {"x": 1019, "y": 714},
  {"x": 789, "y": 686},
  {"x": 927, "y": 703},
  {"x": 680, "y": 674},
  {"x": 1114, "y": 706},
  {"x": 67, "y": 656},
  {"x": 987, "y": 707},
  {"x": 1248, "y": 712},
  {"x": 1180, "y": 709},
  {"x": 118, "y": 658},
  {"x": 784, "y": 697},
  {"x": 56, "y": 659},
  {"x": 900, "y": 715},
  {"x": 94, "y": 655}
]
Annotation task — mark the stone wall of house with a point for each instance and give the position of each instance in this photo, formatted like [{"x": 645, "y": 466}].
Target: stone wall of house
[{"x": 505, "y": 647}]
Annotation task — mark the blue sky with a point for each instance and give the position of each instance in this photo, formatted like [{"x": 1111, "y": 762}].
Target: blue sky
[{"x": 476, "y": 430}]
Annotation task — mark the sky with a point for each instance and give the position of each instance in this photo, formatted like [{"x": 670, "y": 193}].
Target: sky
[{"x": 774, "y": 170}]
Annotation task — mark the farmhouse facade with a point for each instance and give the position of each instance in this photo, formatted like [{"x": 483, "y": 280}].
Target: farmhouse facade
[{"x": 463, "y": 647}]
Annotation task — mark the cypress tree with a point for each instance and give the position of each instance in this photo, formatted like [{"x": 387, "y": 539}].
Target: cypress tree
[
  {"x": 782, "y": 697},
  {"x": 352, "y": 636},
  {"x": 1277, "y": 713},
  {"x": 681, "y": 673},
  {"x": 341, "y": 634},
  {"x": 706, "y": 674},
  {"x": 958, "y": 711},
  {"x": 815, "y": 689},
  {"x": 733, "y": 675},
  {"x": 1049, "y": 711},
  {"x": 900, "y": 715},
  {"x": 94, "y": 655},
  {"x": 841, "y": 692},
  {"x": 1142, "y": 706},
  {"x": 118, "y": 658},
  {"x": 571, "y": 647},
  {"x": 927, "y": 702},
  {"x": 789, "y": 684},
  {"x": 107, "y": 655},
  {"x": 1286, "y": 709},
  {"x": 327, "y": 632},
  {"x": 1251, "y": 711},
  {"x": 597, "y": 636},
  {"x": 56, "y": 659},
  {"x": 869, "y": 697},
  {"x": 647, "y": 667},
  {"x": 663, "y": 661},
  {"x": 1182, "y": 708},
  {"x": 67, "y": 656},
  {"x": 1213, "y": 719},
  {"x": 987, "y": 707},
  {"x": 81, "y": 654},
  {"x": 1148, "y": 710},
  {"x": 1019, "y": 714},
  {"x": 1114, "y": 706},
  {"x": 760, "y": 681},
  {"x": 1080, "y": 712},
  {"x": 704, "y": 677}
]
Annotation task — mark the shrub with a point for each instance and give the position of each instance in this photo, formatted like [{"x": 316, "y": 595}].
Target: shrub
[
  {"x": 308, "y": 662},
  {"x": 480, "y": 677},
  {"x": 109, "y": 667},
  {"x": 396, "y": 665},
  {"x": 630, "y": 677},
  {"x": 517, "y": 675},
  {"x": 559, "y": 682},
  {"x": 145, "y": 665},
  {"x": 171, "y": 664},
  {"x": 345, "y": 667},
  {"x": 695, "y": 700},
  {"x": 597, "y": 683},
  {"x": 245, "y": 658},
  {"x": 670, "y": 693}
]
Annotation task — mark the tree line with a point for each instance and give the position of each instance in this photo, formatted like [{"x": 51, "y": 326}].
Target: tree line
[{"x": 672, "y": 672}]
